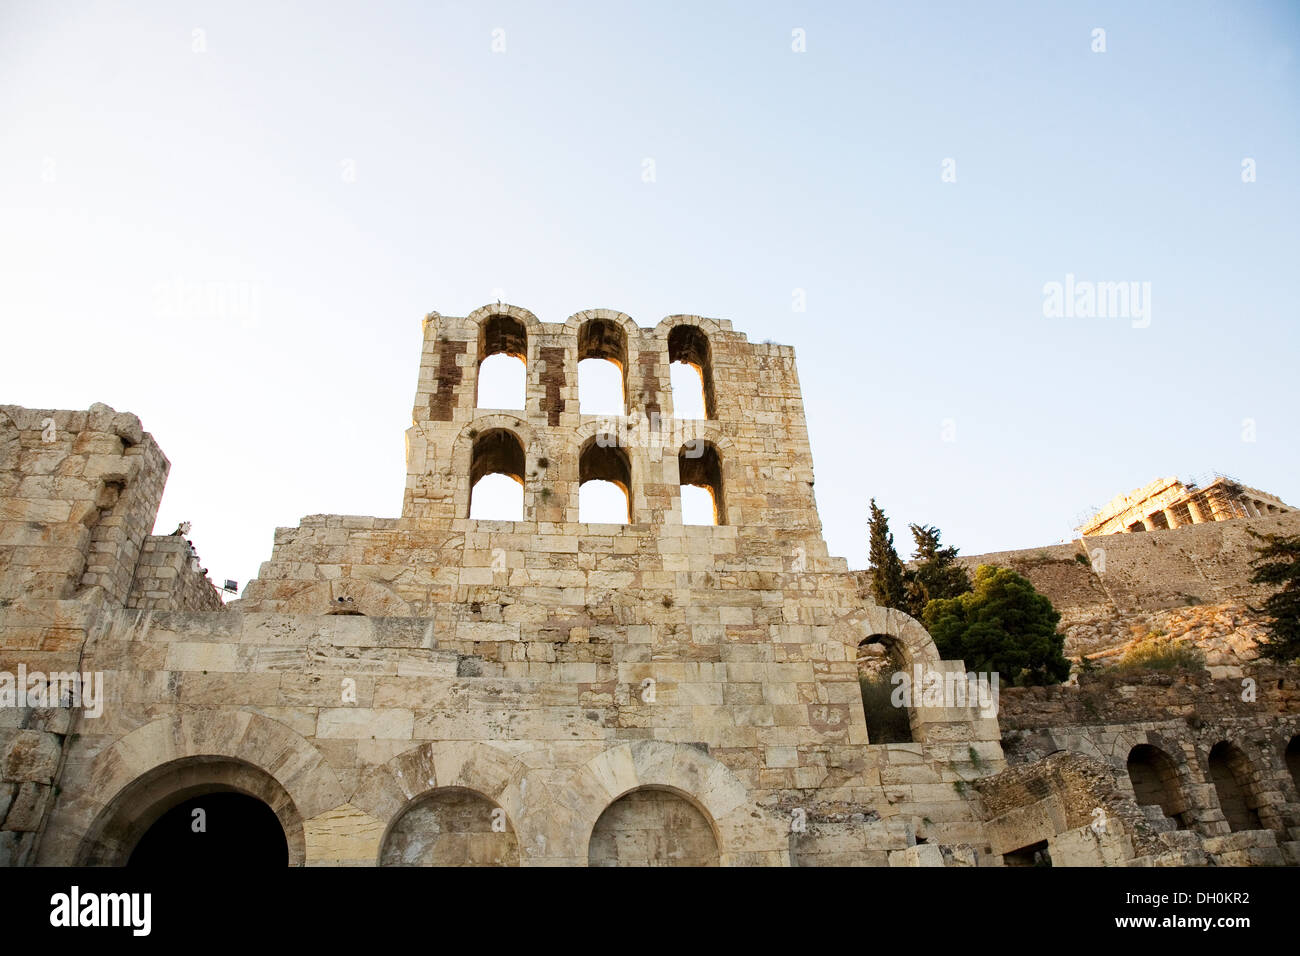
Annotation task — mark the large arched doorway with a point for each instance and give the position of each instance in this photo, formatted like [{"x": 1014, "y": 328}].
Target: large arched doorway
[
  {"x": 221, "y": 829},
  {"x": 451, "y": 826},
  {"x": 650, "y": 827},
  {"x": 198, "y": 811}
]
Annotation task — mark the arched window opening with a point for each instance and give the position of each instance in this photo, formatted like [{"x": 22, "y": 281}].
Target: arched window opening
[
  {"x": 1293, "y": 760},
  {"x": 700, "y": 470},
  {"x": 652, "y": 828},
  {"x": 879, "y": 658},
  {"x": 604, "y": 485},
  {"x": 690, "y": 370},
  {"x": 1155, "y": 782},
  {"x": 1230, "y": 771},
  {"x": 502, "y": 363},
  {"x": 602, "y": 368},
  {"x": 497, "y": 477}
]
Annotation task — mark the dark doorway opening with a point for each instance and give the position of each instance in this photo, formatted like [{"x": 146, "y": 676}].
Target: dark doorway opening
[{"x": 236, "y": 831}]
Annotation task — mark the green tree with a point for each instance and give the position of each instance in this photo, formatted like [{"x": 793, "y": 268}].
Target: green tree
[
  {"x": 937, "y": 574},
  {"x": 1002, "y": 625},
  {"x": 887, "y": 584},
  {"x": 1277, "y": 562}
]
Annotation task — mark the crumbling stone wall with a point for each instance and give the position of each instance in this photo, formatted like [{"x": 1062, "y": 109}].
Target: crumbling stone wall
[
  {"x": 166, "y": 579},
  {"x": 79, "y": 492},
  {"x": 1184, "y": 717},
  {"x": 387, "y": 685},
  {"x": 1192, "y": 580}
]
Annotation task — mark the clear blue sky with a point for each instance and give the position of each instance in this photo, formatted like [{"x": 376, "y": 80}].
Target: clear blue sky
[{"x": 357, "y": 165}]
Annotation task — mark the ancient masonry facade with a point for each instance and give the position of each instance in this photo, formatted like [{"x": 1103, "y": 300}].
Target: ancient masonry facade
[{"x": 431, "y": 689}]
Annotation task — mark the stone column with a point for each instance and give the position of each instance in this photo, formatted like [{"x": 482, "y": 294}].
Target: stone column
[
  {"x": 1172, "y": 518},
  {"x": 1194, "y": 509}
]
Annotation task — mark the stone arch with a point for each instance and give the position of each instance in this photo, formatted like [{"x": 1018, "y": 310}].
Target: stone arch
[
  {"x": 502, "y": 337},
  {"x": 132, "y": 813},
  {"x": 609, "y": 335},
  {"x": 463, "y": 457},
  {"x": 574, "y": 323},
  {"x": 488, "y": 343},
  {"x": 1233, "y": 778},
  {"x": 886, "y": 724},
  {"x": 219, "y": 748},
  {"x": 1155, "y": 780},
  {"x": 450, "y": 826},
  {"x": 652, "y": 826},
  {"x": 710, "y": 327},
  {"x": 601, "y": 341},
  {"x": 529, "y": 321},
  {"x": 388, "y": 791},
  {"x": 600, "y": 461},
  {"x": 691, "y": 345},
  {"x": 347, "y": 596},
  {"x": 741, "y": 830},
  {"x": 700, "y": 463},
  {"x": 463, "y": 447},
  {"x": 497, "y": 451},
  {"x": 914, "y": 642}
]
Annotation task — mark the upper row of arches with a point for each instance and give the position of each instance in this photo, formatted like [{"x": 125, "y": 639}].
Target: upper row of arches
[{"x": 603, "y": 366}]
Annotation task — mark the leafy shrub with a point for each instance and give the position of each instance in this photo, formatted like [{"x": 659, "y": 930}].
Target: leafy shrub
[
  {"x": 1003, "y": 625},
  {"x": 1158, "y": 653}
]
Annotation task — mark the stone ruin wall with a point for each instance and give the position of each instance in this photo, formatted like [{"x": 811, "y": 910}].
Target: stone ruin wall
[
  {"x": 1097, "y": 724},
  {"x": 1190, "y": 583},
  {"x": 502, "y": 666},
  {"x": 505, "y": 658}
]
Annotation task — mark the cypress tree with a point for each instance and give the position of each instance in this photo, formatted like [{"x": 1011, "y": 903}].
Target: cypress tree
[
  {"x": 887, "y": 584},
  {"x": 937, "y": 574},
  {"x": 1277, "y": 561}
]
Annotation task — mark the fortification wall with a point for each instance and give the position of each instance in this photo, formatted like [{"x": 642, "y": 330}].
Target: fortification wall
[
  {"x": 166, "y": 578},
  {"x": 1227, "y": 750},
  {"x": 1191, "y": 582},
  {"x": 78, "y": 493}
]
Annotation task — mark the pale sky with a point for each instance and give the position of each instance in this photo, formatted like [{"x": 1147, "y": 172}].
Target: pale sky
[{"x": 230, "y": 218}]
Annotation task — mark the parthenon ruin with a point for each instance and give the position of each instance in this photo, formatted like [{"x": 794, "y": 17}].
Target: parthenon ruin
[{"x": 1171, "y": 503}]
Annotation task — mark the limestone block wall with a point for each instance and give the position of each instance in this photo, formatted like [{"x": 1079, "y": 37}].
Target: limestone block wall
[
  {"x": 355, "y": 721},
  {"x": 79, "y": 492},
  {"x": 1186, "y": 720},
  {"x": 756, "y": 424},
  {"x": 1106, "y": 586},
  {"x": 166, "y": 580},
  {"x": 428, "y": 689},
  {"x": 38, "y": 639}
]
